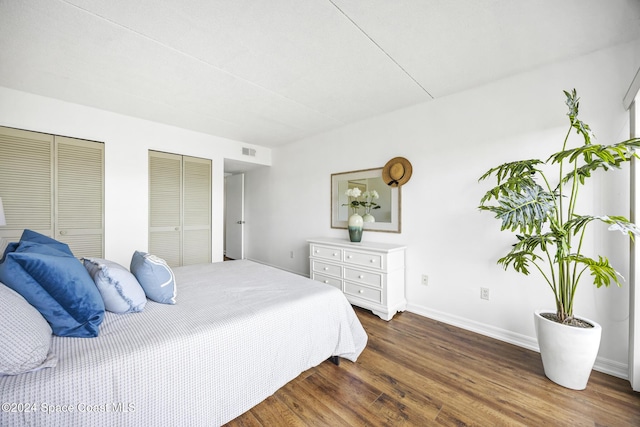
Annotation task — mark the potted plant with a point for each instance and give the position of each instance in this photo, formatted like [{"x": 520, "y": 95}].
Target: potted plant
[{"x": 550, "y": 235}]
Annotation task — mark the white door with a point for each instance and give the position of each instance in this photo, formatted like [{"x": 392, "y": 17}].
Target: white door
[{"x": 234, "y": 216}]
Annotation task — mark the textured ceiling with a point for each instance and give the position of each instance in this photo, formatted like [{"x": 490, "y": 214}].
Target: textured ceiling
[{"x": 271, "y": 72}]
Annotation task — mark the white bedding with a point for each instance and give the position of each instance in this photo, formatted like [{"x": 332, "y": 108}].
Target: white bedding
[{"x": 239, "y": 331}]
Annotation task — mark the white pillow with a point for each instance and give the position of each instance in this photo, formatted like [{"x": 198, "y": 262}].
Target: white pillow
[
  {"x": 119, "y": 288},
  {"x": 24, "y": 334}
]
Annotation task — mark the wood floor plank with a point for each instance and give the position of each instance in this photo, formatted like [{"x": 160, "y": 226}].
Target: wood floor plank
[
  {"x": 419, "y": 372},
  {"x": 311, "y": 411},
  {"x": 272, "y": 412},
  {"x": 346, "y": 404},
  {"x": 395, "y": 401}
]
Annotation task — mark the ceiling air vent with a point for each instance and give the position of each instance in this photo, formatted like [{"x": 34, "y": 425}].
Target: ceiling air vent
[{"x": 249, "y": 151}]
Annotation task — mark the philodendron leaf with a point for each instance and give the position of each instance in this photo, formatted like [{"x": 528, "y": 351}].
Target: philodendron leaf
[
  {"x": 612, "y": 155},
  {"x": 621, "y": 224},
  {"x": 596, "y": 157},
  {"x": 519, "y": 168},
  {"x": 529, "y": 243},
  {"x": 603, "y": 273},
  {"x": 577, "y": 223},
  {"x": 573, "y": 102},
  {"x": 584, "y": 171},
  {"x": 514, "y": 183},
  {"x": 520, "y": 261},
  {"x": 525, "y": 211},
  {"x": 511, "y": 176}
]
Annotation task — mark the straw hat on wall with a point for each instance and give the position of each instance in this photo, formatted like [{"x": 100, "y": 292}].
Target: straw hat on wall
[{"x": 396, "y": 172}]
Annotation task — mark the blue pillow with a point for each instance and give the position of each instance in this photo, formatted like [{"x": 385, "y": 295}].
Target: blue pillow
[
  {"x": 39, "y": 248},
  {"x": 39, "y": 242},
  {"x": 120, "y": 290},
  {"x": 11, "y": 247},
  {"x": 155, "y": 277},
  {"x": 57, "y": 285},
  {"x": 35, "y": 237}
]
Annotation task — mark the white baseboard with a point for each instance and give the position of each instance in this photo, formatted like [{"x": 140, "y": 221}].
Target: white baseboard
[{"x": 606, "y": 366}]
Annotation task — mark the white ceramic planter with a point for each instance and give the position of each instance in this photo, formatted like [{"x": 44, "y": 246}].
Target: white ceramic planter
[{"x": 568, "y": 353}]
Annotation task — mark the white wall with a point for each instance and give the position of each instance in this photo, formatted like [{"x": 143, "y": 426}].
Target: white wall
[
  {"x": 127, "y": 141},
  {"x": 450, "y": 143}
]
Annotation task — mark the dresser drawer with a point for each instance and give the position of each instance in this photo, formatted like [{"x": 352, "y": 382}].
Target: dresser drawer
[
  {"x": 363, "y": 259},
  {"x": 325, "y": 268},
  {"x": 374, "y": 295},
  {"x": 359, "y": 276},
  {"x": 337, "y": 283},
  {"x": 325, "y": 252}
]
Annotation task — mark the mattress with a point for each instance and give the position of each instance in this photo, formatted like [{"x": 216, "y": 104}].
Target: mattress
[{"x": 239, "y": 331}]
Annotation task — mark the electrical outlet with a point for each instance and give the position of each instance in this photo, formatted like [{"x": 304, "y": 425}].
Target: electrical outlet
[
  {"x": 484, "y": 293},
  {"x": 425, "y": 280}
]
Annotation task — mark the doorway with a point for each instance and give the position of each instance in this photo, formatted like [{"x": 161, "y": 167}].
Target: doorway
[{"x": 234, "y": 217}]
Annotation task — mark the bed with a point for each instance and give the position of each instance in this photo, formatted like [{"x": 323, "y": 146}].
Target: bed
[{"x": 238, "y": 332}]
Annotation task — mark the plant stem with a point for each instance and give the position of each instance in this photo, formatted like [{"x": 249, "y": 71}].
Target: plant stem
[
  {"x": 564, "y": 267},
  {"x": 560, "y": 212}
]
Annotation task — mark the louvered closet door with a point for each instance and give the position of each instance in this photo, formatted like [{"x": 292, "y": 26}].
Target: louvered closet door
[
  {"x": 26, "y": 183},
  {"x": 165, "y": 216},
  {"x": 196, "y": 242},
  {"x": 79, "y": 185}
]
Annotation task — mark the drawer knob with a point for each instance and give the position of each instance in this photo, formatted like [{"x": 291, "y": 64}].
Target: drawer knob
[
  {"x": 361, "y": 291},
  {"x": 317, "y": 251},
  {"x": 335, "y": 254},
  {"x": 326, "y": 281},
  {"x": 326, "y": 268},
  {"x": 350, "y": 256},
  {"x": 361, "y": 277},
  {"x": 372, "y": 260}
]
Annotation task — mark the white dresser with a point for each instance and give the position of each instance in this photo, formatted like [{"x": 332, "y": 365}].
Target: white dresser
[{"x": 371, "y": 275}]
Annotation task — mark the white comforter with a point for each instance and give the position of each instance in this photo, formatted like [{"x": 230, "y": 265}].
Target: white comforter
[{"x": 239, "y": 331}]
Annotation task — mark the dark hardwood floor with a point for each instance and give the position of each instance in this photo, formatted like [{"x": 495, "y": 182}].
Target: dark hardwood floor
[{"x": 419, "y": 372}]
